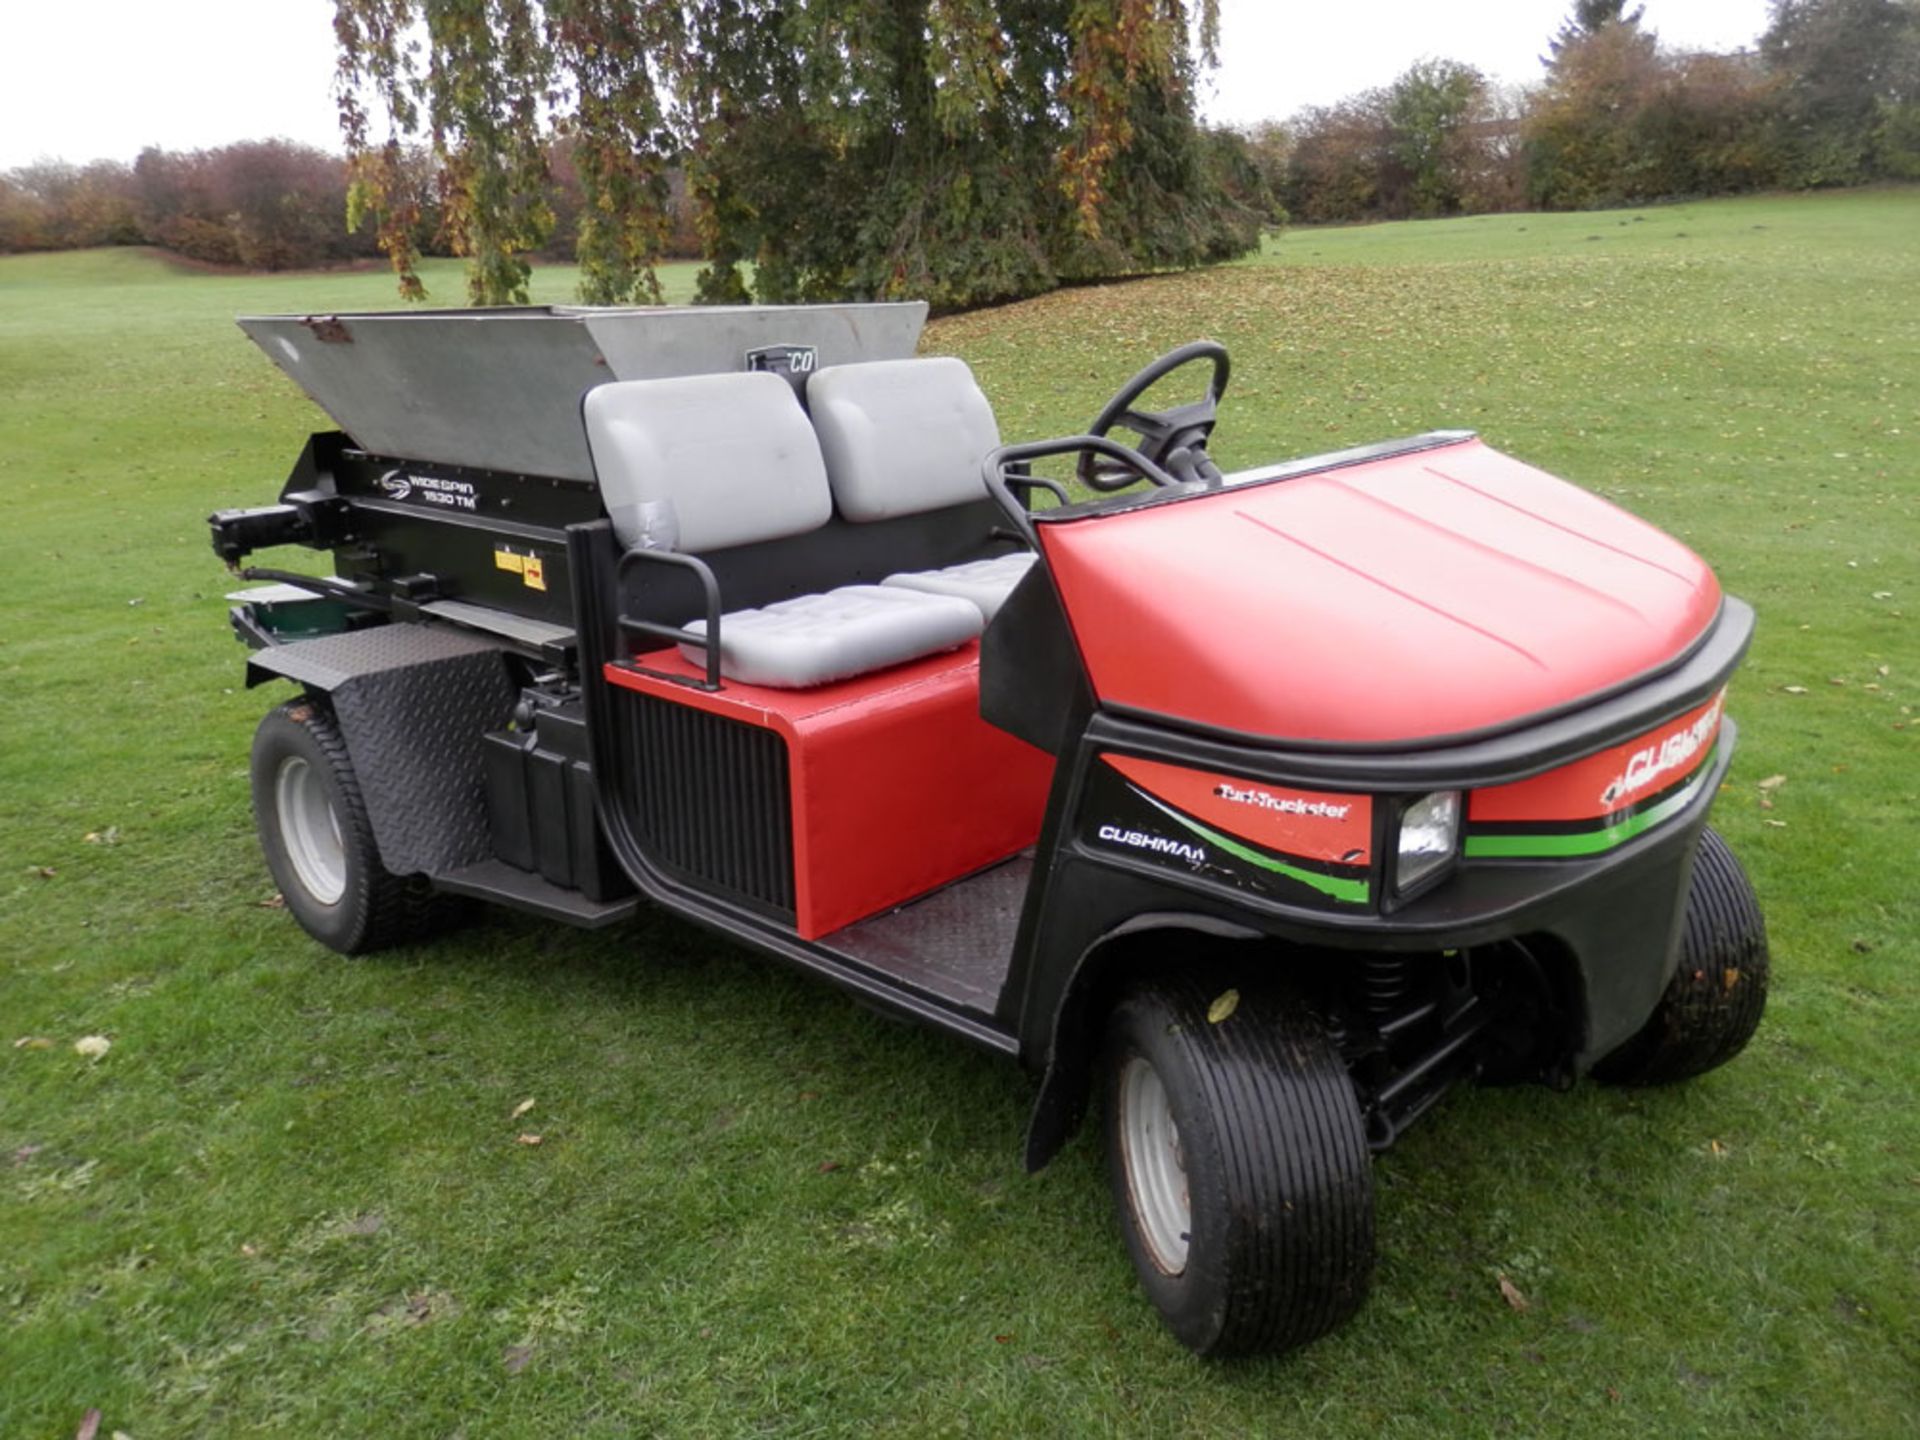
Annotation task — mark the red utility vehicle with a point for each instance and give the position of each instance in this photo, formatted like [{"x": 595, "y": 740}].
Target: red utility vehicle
[{"x": 1259, "y": 808}]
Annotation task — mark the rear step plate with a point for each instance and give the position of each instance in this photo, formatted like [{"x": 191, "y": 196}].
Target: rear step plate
[{"x": 510, "y": 885}]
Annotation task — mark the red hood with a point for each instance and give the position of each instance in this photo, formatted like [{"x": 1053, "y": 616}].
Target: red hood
[{"x": 1444, "y": 591}]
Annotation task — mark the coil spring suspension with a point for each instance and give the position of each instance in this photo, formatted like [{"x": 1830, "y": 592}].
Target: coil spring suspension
[{"x": 1385, "y": 981}]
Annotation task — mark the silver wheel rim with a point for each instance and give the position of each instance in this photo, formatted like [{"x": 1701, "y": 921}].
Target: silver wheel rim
[
  {"x": 309, "y": 830},
  {"x": 1156, "y": 1170}
]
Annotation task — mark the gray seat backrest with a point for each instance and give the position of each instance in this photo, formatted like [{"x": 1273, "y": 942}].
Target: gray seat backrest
[
  {"x": 706, "y": 462},
  {"x": 902, "y": 436}
]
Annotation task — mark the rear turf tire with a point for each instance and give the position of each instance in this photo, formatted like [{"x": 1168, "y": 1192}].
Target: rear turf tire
[
  {"x": 1239, "y": 1165},
  {"x": 1718, "y": 993},
  {"x": 318, "y": 841}
]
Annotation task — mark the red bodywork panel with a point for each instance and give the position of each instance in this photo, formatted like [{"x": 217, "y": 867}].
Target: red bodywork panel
[
  {"x": 898, "y": 786},
  {"x": 1616, "y": 779},
  {"x": 1320, "y": 825},
  {"x": 1436, "y": 593}
]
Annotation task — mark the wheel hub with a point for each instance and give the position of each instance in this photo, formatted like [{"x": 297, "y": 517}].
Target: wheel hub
[
  {"x": 310, "y": 830},
  {"x": 1156, "y": 1168}
]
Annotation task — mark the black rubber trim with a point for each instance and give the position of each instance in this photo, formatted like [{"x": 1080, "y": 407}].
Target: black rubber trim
[{"x": 1527, "y": 746}]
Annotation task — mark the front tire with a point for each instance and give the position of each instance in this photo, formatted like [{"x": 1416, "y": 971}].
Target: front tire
[
  {"x": 1238, "y": 1160},
  {"x": 1718, "y": 993},
  {"x": 318, "y": 840}
]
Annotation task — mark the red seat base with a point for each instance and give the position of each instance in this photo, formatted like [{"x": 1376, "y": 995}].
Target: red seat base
[{"x": 898, "y": 786}]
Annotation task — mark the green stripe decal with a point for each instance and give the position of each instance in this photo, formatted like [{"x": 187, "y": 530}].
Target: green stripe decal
[
  {"x": 1354, "y": 892},
  {"x": 1590, "y": 842}
]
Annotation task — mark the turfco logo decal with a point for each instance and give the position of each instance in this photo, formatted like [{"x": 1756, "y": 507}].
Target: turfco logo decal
[
  {"x": 1158, "y": 844},
  {"x": 1662, "y": 757},
  {"x": 455, "y": 494},
  {"x": 1285, "y": 805}
]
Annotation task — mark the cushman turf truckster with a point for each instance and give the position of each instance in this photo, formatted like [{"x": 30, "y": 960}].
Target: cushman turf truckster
[{"x": 1252, "y": 809}]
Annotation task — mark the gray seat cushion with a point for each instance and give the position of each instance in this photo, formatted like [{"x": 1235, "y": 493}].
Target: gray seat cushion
[
  {"x": 902, "y": 436},
  {"x": 705, "y": 462},
  {"x": 986, "y": 583},
  {"x": 812, "y": 639}
]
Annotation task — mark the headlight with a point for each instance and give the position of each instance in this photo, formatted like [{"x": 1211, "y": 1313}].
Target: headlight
[{"x": 1429, "y": 834}]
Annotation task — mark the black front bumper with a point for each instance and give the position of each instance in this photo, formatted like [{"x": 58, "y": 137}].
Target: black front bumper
[{"x": 1609, "y": 922}]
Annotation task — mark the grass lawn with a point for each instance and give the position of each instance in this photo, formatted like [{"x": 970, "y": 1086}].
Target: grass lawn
[{"x": 290, "y": 1198}]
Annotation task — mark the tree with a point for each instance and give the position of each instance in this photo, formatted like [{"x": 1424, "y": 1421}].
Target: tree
[
  {"x": 958, "y": 149},
  {"x": 1851, "y": 75},
  {"x": 61, "y": 206},
  {"x": 1340, "y": 152},
  {"x": 1590, "y": 17},
  {"x": 1580, "y": 136},
  {"x": 1429, "y": 109}
]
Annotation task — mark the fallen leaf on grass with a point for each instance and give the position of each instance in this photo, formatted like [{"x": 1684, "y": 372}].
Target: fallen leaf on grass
[
  {"x": 529, "y": 1139},
  {"x": 1223, "y": 1006},
  {"x": 516, "y": 1358},
  {"x": 827, "y": 1167},
  {"x": 42, "y": 872},
  {"x": 272, "y": 902},
  {"x": 1510, "y": 1292},
  {"x": 522, "y": 1108},
  {"x": 1767, "y": 787},
  {"x": 92, "y": 1046},
  {"x": 1716, "y": 1149},
  {"x": 1778, "y": 824},
  {"x": 89, "y": 1426},
  {"x": 33, "y": 1042},
  {"x": 1794, "y": 689},
  {"x": 108, "y": 836}
]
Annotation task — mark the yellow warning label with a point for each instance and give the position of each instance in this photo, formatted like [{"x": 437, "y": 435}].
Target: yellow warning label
[
  {"x": 504, "y": 559},
  {"x": 533, "y": 574}
]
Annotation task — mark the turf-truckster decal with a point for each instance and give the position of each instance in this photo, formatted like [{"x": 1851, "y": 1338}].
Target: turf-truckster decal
[
  {"x": 1602, "y": 801},
  {"x": 1303, "y": 847}
]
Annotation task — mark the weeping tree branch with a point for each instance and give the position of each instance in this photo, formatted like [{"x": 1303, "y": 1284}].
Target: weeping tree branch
[{"x": 959, "y": 149}]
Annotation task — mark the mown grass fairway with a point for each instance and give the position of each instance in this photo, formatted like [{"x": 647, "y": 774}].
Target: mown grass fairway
[{"x": 290, "y": 1198}]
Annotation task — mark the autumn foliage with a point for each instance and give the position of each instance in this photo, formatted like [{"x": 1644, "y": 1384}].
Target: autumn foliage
[
  {"x": 1831, "y": 96},
  {"x": 264, "y": 205}
]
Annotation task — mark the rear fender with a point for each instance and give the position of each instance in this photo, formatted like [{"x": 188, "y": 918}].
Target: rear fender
[{"x": 412, "y": 703}]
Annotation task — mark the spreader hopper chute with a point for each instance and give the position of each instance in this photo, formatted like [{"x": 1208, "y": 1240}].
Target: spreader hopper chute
[{"x": 500, "y": 389}]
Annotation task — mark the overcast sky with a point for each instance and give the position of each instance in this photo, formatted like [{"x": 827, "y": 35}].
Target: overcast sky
[{"x": 104, "y": 78}]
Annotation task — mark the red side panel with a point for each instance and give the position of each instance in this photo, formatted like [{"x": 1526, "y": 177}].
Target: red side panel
[
  {"x": 1610, "y": 781},
  {"x": 1430, "y": 594},
  {"x": 898, "y": 785},
  {"x": 1319, "y": 825}
]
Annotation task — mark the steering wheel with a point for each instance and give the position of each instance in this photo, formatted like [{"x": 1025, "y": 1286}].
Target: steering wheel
[{"x": 1174, "y": 440}]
